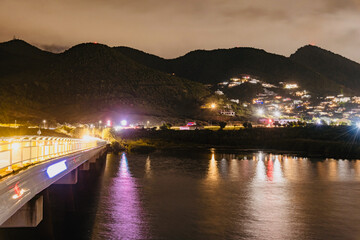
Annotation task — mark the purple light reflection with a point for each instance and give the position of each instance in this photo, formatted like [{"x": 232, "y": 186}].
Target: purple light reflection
[{"x": 126, "y": 208}]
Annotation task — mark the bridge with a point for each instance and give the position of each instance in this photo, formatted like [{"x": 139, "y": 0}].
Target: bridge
[{"x": 30, "y": 164}]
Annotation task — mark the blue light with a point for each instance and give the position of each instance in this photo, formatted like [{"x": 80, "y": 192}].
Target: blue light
[{"x": 56, "y": 168}]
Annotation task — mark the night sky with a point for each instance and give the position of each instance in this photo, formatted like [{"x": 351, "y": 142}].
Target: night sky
[{"x": 170, "y": 28}]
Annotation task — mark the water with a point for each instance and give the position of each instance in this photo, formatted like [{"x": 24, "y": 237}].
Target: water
[
  {"x": 228, "y": 196},
  {"x": 219, "y": 195}
]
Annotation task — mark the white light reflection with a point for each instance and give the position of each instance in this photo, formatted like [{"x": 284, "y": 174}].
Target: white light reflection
[
  {"x": 269, "y": 201},
  {"x": 213, "y": 173},
  {"x": 148, "y": 167}
]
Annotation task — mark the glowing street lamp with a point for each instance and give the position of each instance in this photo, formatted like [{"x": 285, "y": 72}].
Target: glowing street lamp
[
  {"x": 213, "y": 105},
  {"x": 44, "y": 121},
  {"x": 260, "y": 111},
  {"x": 123, "y": 122},
  {"x": 108, "y": 123}
]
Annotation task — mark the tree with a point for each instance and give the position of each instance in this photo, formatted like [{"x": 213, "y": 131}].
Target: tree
[
  {"x": 165, "y": 126},
  {"x": 222, "y": 125},
  {"x": 247, "y": 125}
]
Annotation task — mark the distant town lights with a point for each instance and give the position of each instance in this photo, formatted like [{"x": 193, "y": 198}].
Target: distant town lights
[{"x": 291, "y": 86}]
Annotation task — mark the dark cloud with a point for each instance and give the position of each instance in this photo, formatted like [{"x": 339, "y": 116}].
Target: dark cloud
[
  {"x": 257, "y": 13},
  {"x": 334, "y": 6}
]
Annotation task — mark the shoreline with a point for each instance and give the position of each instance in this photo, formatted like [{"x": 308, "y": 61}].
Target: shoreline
[{"x": 329, "y": 142}]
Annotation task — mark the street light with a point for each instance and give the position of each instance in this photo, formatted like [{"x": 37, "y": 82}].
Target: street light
[
  {"x": 44, "y": 121},
  {"x": 213, "y": 105},
  {"x": 260, "y": 111},
  {"x": 123, "y": 122}
]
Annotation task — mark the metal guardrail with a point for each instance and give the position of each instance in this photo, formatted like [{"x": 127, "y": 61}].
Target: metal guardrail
[{"x": 20, "y": 151}]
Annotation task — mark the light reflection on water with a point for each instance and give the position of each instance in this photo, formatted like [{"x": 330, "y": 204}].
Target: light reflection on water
[
  {"x": 121, "y": 217},
  {"x": 228, "y": 196}
]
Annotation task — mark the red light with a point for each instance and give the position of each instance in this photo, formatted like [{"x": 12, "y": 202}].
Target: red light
[
  {"x": 270, "y": 121},
  {"x": 18, "y": 192},
  {"x": 191, "y": 123},
  {"x": 269, "y": 172}
]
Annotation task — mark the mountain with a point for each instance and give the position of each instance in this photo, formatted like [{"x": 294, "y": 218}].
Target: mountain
[
  {"x": 219, "y": 65},
  {"x": 333, "y": 66},
  {"x": 89, "y": 81},
  {"x": 18, "y": 55}
]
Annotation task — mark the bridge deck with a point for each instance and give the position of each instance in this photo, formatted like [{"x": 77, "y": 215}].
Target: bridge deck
[{"x": 18, "y": 188}]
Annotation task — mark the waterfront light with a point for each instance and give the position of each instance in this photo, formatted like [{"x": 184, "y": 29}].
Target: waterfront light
[
  {"x": 118, "y": 128},
  {"x": 260, "y": 111},
  {"x": 123, "y": 122}
]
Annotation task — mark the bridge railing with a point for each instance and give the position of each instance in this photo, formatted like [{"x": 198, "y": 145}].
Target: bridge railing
[{"x": 19, "y": 151}]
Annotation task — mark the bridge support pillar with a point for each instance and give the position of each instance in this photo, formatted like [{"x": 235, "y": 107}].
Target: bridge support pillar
[
  {"x": 29, "y": 215},
  {"x": 85, "y": 166},
  {"x": 93, "y": 159},
  {"x": 70, "y": 178}
]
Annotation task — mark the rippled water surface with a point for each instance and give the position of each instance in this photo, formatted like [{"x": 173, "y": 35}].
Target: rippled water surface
[{"x": 218, "y": 195}]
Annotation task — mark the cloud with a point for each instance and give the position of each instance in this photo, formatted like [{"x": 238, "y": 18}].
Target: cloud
[
  {"x": 52, "y": 47},
  {"x": 170, "y": 28}
]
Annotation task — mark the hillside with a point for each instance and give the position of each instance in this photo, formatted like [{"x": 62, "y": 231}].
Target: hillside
[
  {"x": 87, "y": 82},
  {"x": 219, "y": 65},
  {"x": 333, "y": 66},
  {"x": 93, "y": 81}
]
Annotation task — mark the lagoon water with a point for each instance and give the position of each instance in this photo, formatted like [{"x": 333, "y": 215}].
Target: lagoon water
[{"x": 218, "y": 195}]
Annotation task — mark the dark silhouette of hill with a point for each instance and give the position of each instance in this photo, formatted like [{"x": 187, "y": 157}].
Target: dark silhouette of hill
[
  {"x": 219, "y": 65},
  {"x": 87, "y": 81},
  {"x": 333, "y": 66},
  {"x": 18, "y": 55},
  {"x": 93, "y": 80}
]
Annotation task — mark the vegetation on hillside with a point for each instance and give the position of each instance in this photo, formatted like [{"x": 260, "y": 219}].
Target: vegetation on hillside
[
  {"x": 89, "y": 80},
  {"x": 219, "y": 65}
]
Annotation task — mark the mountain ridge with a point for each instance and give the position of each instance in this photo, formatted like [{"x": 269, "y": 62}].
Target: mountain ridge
[{"x": 92, "y": 78}]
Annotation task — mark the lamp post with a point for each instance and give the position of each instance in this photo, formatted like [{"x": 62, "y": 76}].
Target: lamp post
[{"x": 44, "y": 121}]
